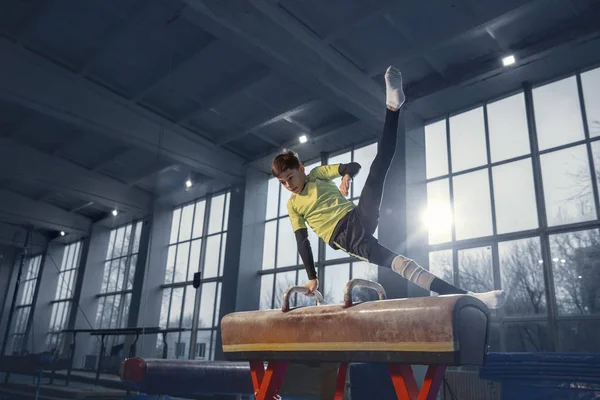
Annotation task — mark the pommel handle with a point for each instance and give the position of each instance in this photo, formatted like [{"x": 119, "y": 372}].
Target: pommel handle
[
  {"x": 364, "y": 283},
  {"x": 298, "y": 289}
]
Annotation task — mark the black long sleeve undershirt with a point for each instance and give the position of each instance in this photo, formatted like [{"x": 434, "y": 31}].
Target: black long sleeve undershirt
[
  {"x": 306, "y": 253},
  {"x": 304, "y": 247}
]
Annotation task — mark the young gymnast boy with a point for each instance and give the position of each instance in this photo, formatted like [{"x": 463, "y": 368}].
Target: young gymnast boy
[{"x": 318, "y": 202}]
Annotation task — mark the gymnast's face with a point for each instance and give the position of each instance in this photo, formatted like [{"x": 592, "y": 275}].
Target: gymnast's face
[{"x": 293, "y": 179}]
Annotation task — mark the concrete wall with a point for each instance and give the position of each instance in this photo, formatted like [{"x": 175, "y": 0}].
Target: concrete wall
[
  {"x": 90, "y": 286},
  {"x": 416, "y": 203},
  {"x": 7, "y": 283},
  {"x": 253, "y": 230},
  {"x": 156, "y": 266},
  {"x": 231, "y": 263},
  {"x": 47, "y": 284}
]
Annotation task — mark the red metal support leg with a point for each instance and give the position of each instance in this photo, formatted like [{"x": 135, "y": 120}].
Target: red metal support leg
[
  {"x": 431, "y": 384},
  {"x": 340, "y": 382},
  {"x": 267, "y": 383},
  {"x": 404, "y": 381},
  {"x": 406, "y": 386}
]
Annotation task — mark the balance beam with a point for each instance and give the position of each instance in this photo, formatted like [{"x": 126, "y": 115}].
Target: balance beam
[
  {"x": 187, "y": 378},
  {"x": 436, "y": 331}
]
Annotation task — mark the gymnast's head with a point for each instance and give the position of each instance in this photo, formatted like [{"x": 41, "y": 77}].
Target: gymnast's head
[{"x": 289, "y": 171}]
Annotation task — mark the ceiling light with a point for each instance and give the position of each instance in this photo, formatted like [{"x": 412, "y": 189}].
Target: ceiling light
[
  {"x": 115, "y": 212},
  {"x": 303, "y": 139},
  {"x": 508, "y": 60},
  {"x": 188, "y": 183},
  {"x": 62, "y": 233}
]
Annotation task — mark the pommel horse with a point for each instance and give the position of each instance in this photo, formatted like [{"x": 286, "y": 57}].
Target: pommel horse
[{"x": 435, "y": 331}]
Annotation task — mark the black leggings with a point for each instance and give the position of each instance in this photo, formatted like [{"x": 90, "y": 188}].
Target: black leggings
[{"x": 354, "y": 233}]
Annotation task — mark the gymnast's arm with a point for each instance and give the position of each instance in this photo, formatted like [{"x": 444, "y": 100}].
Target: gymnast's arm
[
  {"x": 306, "y": 253},
  {"x": 304, "y": 248}
]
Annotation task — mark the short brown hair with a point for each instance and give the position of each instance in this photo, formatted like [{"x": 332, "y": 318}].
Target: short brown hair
[{"x": 287, "y": 159}]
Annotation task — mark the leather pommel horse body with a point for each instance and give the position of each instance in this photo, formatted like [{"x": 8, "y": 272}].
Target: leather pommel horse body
[{"x": 436, "y": 331}]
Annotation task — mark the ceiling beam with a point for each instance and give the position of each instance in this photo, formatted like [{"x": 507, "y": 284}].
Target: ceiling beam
[
  {"x": 36, "y": 83},
  {"x": 269, "y": 34},
  {"x": 580, "y": 30},
  {"x": 317, "y": 135},
  {"x": 22, "y": 210},
  {"x": 275, "y": 117},
  {"x": 11, "y": 235},
  {"x": 28, "y": 164}
]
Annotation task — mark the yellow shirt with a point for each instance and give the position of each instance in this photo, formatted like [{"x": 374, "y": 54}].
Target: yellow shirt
[{"x": 320, "y": 204}]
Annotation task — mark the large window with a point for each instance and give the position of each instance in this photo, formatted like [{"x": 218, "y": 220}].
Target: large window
[
  {"x": 117, "y": 281},
  {"x": 512, "y": 198},
  {"x": 282, "y": 266},
  {"x": 25, "y": 303},
  {"x": 197, "y": 244},
  {"x": 63, "y": 299}
]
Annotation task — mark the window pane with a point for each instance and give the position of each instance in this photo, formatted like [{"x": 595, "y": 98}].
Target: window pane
[
  {"x": 216, "y": 214},
  {"x": 176, "y": 304},
  {"x": 472, "y": 207},
  {"x": 132, "y": 267},
  {"x": 175, "y": 225},
  {"x": 596, "y": 158},
  {"x": 199, "y": 219},
  {"x": 211, "y": 260},
  {"x": 119, "y": 243},
  {"x": 226, "y": 211},
  {"x": 223, "y": 248},
  {"x": 283, "y": 281},
  {"x": 467, "y": 140},
  {"x": 187, "y": 215},
  {"x": 576, "y": 270},
  {"x": 286, "y": 245},
  {"x": 527, "y": 337},
  {"x": 475, "y": 269},
  {"x": 332, "y": 254},
  {"x": 284, "y": 197},
  {"x": 203, "y": 345},
  {"x": 170, "y": 264},
  {"x": 438, "y": 216},
  {"x": 183, "y": 252},
  {"x": 266, "y": 292},
  {"x": 268, "y": 259},
  {"x": 567, "y": 186},
  {"x": 522, "y": 274},
  {"x": 440, "y": 264},
  {"x": 579, "y": 336},
  {"x": 436, "y": 149},
  {"x": 557, "y": 113},
  {"x": 188, "y": 307},
  {"x": 111, "y": 244},
  {"x": 336, "y": 277},
  {"x": 507, "y": 124},
  {"x": 368, "y": 271},
  {"x": 136, "y": 240},
  {"x": 194, "y": 259},
  {"x": 217, "y": 321},
  {"x": 514, "y": 197},
  {"x": 364, "y": 156},
  {"x": 590, "y": 82},
  {"x": 207, "y": 304},
  {"x": 272, "y": 198}
]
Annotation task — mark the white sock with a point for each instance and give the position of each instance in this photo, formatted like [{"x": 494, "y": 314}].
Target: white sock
[
  {"x": 412, "y": 271},
  {"x": 493, "y": 299},
  {"x": 393, "y": 88}
]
